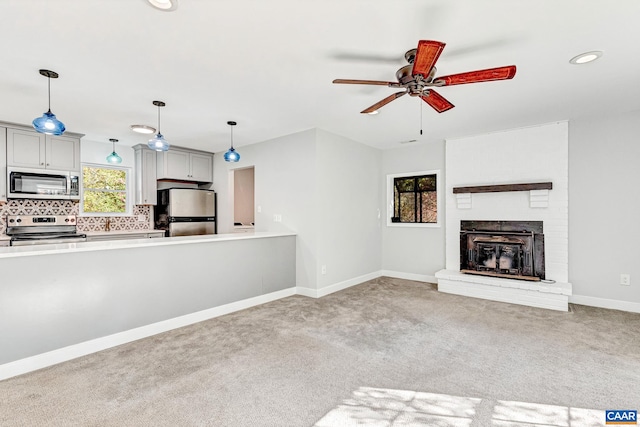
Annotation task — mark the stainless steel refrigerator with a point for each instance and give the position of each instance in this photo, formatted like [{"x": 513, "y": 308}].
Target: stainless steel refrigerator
[{"x": 186, "y": 212}]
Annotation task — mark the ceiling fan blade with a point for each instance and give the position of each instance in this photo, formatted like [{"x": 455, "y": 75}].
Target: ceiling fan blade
[
  {"x": 365, "y": 82},
  {"x": 437, "y": 101},
  {"x": 500, "y": 73},
  {"x": 426, "y": 57},
  {"x": 384, "y": 102}
]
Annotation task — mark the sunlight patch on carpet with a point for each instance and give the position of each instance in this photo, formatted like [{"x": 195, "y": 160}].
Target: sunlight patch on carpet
[{"x": 379, "y": 407}]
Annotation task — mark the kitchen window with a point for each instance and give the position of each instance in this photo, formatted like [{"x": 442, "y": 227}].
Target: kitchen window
[
  {"x": 413, "y": 199},
  {"x": 105, "y": 190}
]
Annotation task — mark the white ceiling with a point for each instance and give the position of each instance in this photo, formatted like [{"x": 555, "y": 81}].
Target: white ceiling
[{"x": 269, "y": 64}]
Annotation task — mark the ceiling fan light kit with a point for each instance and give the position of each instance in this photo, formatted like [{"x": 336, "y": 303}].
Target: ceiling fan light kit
[
  {"x": 48, "y": 123},
  {"x": 418, "y": 78},
  {"x": 158, "y": 143}
]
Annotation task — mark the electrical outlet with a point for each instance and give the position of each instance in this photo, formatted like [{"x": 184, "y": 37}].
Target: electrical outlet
[
  {"x": 625, "y": 279},
  {"x": 142, "y": 218},
  {"x": 323, "y": 269}
]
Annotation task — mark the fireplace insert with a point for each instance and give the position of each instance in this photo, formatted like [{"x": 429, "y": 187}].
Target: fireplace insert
[{"x": 511, "y": 249}]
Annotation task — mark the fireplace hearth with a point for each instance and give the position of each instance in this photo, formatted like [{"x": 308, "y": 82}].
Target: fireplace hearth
[{"x": 509, "y": 249}]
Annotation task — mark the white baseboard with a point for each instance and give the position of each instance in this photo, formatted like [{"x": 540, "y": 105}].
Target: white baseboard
[
  {"x": 64, "y": 354},
  {"x": 319, "y": 293},
  {"x": 409, "y": 276},
  {"x": 307, "y": 292},
  {"x": 613, "y": 304}
]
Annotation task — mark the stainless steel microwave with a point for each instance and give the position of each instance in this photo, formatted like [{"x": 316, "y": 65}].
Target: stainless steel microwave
[{"x": 42, "y": 184}]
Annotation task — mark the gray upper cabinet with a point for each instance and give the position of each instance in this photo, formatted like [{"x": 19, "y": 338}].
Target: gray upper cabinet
[
  {"x": 145, "y": 175},
  {"x": 3, "y": 164},
  {"x": 185, "y": 165},
  {"x": 30, "y": 149},
  {"x": 63, "y": 153}
]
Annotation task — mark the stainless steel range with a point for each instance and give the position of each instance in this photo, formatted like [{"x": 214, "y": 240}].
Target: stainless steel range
[{"x": 43, "y": 229}]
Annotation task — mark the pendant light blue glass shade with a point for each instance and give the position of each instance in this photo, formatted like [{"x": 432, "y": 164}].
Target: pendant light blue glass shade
[
  {"x": 113, "y": 158},
  {"x": 48, "y": 123},
  {"x": 231, "y": 155},
  {"x": 158, "y": 143}
]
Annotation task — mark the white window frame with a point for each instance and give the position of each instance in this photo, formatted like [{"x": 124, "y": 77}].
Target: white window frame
[
  {"x": 390, "y": 201},
  {"x": 129, "y": 191}
]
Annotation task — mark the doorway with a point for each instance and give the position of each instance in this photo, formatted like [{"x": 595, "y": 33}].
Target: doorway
[{"x": 243, "y": 199}]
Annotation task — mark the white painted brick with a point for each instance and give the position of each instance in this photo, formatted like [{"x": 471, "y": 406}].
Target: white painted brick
[
  {"x": 535, "y": 154},
  {"x": 463, "y": 201}
]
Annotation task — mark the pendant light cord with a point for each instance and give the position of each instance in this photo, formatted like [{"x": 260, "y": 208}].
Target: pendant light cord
[
  {"x": 49, "y": 91},
  {"x": 159, "y": 120},
  {"x": 421, "y": 118},
  {"x": 231, "y": 136}
]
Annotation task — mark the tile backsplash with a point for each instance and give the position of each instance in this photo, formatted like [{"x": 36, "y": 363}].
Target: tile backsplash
[{"x": 67, "y": 207}]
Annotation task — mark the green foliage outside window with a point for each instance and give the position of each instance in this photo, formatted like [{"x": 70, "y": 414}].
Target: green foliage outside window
[
  {"x": 415, "y": 199},
  {"x": 104, "y": 190}
]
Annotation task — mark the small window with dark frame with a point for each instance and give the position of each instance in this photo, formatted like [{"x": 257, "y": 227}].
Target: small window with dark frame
[{"x": 415, "y": 199}]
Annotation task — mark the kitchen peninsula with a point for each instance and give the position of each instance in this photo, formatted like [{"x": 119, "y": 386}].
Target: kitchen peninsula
[{"x": 58, "y": 302}]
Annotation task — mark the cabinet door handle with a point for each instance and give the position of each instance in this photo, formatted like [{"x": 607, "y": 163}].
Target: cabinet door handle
[
  {"x": 41, "y": 164},
  {"x": 48, "y": 164}
]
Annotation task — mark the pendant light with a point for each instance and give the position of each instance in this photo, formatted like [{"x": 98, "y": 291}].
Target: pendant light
[
  {"x": 231, "y": 155},
  {"x": 158, "y": 143},
  {"x": 48, "y": 123},
  {"x": 113, "y": 157}
]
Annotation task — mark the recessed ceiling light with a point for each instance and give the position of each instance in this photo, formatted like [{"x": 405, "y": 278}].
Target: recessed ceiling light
[
  {"x": 583, "y": 58},
  {"x": 165, "y": 5},
  {"x": 373, "y": 113},
  {"x": 143, "y": 129}
]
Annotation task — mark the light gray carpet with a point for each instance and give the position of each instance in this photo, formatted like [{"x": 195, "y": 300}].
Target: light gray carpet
[{"x": 295, "y": 361}]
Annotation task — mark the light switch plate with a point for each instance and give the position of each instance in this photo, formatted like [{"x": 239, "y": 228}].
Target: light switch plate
[{"x": 142, "y": 218}]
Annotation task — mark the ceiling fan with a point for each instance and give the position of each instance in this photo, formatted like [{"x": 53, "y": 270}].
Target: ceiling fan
[{"x": 418, "y": 77}]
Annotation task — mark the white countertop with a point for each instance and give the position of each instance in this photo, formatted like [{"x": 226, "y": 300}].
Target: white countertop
[
  {"x": 17, "y": 251},
  {"x": 104, "y": 233},
  {"x": 119, "y": 232}
]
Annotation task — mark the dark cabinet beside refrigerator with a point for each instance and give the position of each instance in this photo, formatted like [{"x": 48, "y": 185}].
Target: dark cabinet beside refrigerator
[{"x": 186, "y": 212}]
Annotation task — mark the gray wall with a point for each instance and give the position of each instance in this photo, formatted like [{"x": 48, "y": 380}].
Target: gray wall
[
  {"x": 418, "y": 251},
  {"x": 285, "y": 180},
  {"x": 604, "y": 206},
  {"x": 98, "y": 293},
  {"x": 349, "y": 231},
  {"x": 325, "y": 188}
]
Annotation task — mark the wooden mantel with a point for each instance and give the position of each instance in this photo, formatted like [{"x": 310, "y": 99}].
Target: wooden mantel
[{"x": 504, "y": 187}]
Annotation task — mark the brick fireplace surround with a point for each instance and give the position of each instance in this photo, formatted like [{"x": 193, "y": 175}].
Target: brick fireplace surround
[{"x": 527, "y": 155}]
